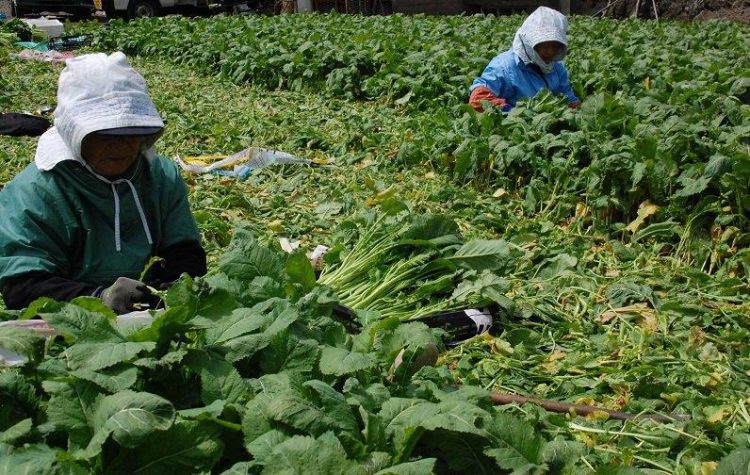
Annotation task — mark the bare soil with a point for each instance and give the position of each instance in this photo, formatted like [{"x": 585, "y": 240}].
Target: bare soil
[{"x": 732, "y": 10}]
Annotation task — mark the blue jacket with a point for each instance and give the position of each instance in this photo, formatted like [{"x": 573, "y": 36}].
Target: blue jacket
[{"x": 507, "y": 76}]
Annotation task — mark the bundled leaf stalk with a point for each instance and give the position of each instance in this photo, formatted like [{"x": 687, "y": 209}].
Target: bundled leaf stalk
[{"x": 410, "y": 266}]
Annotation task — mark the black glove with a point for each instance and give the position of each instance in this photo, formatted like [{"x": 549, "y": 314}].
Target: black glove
[
  {"x": 125, "y": 293},
  {"x": 461, "y": 324}
]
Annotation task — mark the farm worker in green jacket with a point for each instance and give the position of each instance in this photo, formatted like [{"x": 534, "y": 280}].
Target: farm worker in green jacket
[
  {"x": 532, "y": 64},
  {"x": 97, "y": 203}
]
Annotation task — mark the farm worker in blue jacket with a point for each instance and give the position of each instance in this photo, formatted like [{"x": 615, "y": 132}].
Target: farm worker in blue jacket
[
  {"x": 532, "y": 64},
  {"x": 97, "y": 204}
]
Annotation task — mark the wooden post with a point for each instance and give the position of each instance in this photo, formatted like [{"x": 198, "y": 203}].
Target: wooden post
[
  {"x": 582, "y": 410},
  {"x": 565, "y": 7}
]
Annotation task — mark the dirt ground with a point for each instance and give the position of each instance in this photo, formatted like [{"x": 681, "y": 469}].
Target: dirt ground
[{"x": 734, "y": 10}]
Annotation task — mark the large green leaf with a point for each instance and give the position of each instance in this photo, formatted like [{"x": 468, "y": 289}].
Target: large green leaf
[
  {"x": 693, "y": 186},
  {"x": 419, "y": 467},
  {"x": 262, "y": 447},
  {"x": 18, "y": 431},
  {"x": 291, "y": 354},
  {"x": 335, "y": 405},
  {"x": 736, "y": 463},
  {"x": 242, "y": 468},
  {"x": 210, "y": 411},
  {"x": 186, "y": 447},
  {"x": 245, "y": 259},
  {"x": 481, "y": 254},
  {"x": 403, "y": 421},
  {"x": 459, "y": 416},
  {"x": 297, "y": 412},
  {"x": 519, "y": 447},
  {"x": 339, "y": 361},
  {"x": 247, "y": 345},
  {"x": 112, "y": 379},
  {"x": 557, "y": 266},
  {"x": 241, "y": 322},
  {"x": 20, "y": 340},
  {"x": 18, "y": 399},
  {"x": 309, "y": 456},
  {"x": 430, "y": 226},
  {"x": 128, "y": 417},
  {"x": 71, "y": 410},
  {"x": 300, "y": 270},
  {"x": 35, "y": 459},
  {"x": 219, "y": 379},
  {"x": 76, "y": 322},
  {"x": 96, "y": 356},
  {"x": 558, "y": 454}
]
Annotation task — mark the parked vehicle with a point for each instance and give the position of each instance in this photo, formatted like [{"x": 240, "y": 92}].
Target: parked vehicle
[
  {"x": 151, "y": 8},
  {"x": 73, "y": 7},
  {"x": 120, "y": 8}
]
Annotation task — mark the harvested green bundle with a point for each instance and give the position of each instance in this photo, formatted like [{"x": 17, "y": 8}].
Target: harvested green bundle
[{"x": 410, "y": 266}]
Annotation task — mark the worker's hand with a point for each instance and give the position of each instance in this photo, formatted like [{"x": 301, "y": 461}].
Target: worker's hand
[
  {"x": 124, "y": 295},
  {"x": 574, "y": 105}
]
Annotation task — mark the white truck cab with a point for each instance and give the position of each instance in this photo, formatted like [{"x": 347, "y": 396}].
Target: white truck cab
[{"x": 144, "y": 8}]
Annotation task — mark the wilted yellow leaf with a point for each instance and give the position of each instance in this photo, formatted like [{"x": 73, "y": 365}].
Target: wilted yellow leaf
[
  {"x": 715, "y": 380},
  {"x": 586, "y": 439},
  {"x": 709, "y": 468},
  {"x": 612, "y": 273},
  {"x": 500, "y": 346},
  {"x": 671, "y": 398},
  {"x": 499, "y": 193},
  {"x": 641, "y": 310},
  {"x": 556, "y": 355},
  {"x": 586, "y": 401},
  {"x": 598, "y": 416},
  {"x": 715, "y": 414},
  {"x": 276, "y": 226},
  {"x": 645, "y": 210},
  {"x": 385, "y": 194},
  {"x": 582, "y": 210},
  {"x": 648, "y": 321},
  {"x": 365, "y": 163}
]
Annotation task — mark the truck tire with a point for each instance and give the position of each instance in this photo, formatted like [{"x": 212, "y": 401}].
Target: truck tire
[{"x": 143, "y": 9}]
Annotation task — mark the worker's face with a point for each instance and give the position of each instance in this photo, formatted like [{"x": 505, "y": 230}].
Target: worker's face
[
  {"x": 112, "y": 155},
  {"x": 548, "y": 50}
]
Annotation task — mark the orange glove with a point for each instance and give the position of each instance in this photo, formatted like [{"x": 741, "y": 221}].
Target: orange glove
[{"x": 484, "y": 94}]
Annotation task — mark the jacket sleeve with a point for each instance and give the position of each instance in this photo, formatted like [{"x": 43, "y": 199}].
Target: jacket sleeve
[
  {"x": 566, "y": 89},
  {"x": 180, "y": 246},
  {"x": 20, "y": 291},
  {"x": 187, "y": 256},
  {"x": 496, "y": 79},
  {"x": 36, "y": 232}
]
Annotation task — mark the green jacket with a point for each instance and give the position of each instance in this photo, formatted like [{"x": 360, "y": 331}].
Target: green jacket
[{"x": 62, "y": 221}]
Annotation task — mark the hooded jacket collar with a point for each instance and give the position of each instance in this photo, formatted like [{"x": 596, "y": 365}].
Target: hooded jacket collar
[{"x": 98, "y": 92}]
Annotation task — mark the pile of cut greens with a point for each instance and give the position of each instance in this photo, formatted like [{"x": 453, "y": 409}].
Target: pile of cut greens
[{"x": 415, "y": 266}]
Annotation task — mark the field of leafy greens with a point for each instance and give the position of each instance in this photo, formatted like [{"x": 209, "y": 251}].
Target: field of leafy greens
[{"x": 611, "y": 243}]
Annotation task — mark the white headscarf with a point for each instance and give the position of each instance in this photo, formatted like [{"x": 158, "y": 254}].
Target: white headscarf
[
  {"x": 545, "y": 24},
  {"x": 98, "y": 92},
  {"x": 95, "y": 92}
]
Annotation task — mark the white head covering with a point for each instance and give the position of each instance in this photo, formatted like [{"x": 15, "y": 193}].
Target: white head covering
[
  {"x": 545, "y": 24},
  {"x": 97, "y": 92}
]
